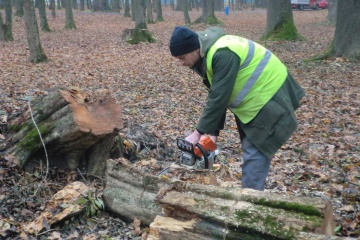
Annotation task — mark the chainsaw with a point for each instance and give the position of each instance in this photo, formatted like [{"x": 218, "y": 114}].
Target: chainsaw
[{"x": 200, "y": 156}]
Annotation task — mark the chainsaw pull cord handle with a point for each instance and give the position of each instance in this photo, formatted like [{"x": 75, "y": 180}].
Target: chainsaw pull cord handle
[{"x": 204, "y": 154}]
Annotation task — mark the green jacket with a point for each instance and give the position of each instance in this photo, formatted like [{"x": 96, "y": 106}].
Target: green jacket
[{"x": 275, "y": 122}]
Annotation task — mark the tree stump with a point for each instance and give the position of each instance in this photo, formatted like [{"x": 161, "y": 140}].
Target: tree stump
[
  {"x": 177, "y": 209},
  {"x": 75, "y": 128}
]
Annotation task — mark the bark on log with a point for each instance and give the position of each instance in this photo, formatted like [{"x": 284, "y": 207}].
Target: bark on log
[
  {"x": 218, "y": 212},
  {"x": 75, "y": 127},
  {"x": 198, "y": 211}
]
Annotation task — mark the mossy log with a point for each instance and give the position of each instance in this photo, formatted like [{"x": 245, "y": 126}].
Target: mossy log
[
  {"x": 235, "y": 213},
  {"x": 177, "y": 209},
  {"x": 76, "y": 129}
]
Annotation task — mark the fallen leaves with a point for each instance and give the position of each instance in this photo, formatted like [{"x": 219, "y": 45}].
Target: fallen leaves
[{"x": 321, "y": 158}]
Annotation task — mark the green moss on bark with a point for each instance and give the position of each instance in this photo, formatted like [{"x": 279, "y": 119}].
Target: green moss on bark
[
  {"x": 32, "y": 141},
  {"x": 141, "y": 35},
  {"x": 284, "y": 31}
]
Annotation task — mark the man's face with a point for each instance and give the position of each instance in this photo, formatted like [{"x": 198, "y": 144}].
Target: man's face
[{"x": 190, "y": 58}]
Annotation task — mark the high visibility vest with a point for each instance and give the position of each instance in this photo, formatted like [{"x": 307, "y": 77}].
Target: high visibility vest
[{"x": 260, "y": 75}]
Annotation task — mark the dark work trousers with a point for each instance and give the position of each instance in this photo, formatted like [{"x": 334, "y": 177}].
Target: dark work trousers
[{"x": 255, "y": 164}]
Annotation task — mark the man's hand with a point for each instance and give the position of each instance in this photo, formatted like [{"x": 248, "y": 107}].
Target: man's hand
[
  {"x": 213, "y": 138},
  {"x": 194, "y": 137}
]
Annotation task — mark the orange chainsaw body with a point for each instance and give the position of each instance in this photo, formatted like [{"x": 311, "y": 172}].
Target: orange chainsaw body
[{"x": 207, "y": 144}]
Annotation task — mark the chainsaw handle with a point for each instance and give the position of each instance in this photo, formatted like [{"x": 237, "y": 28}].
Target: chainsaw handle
[
  {"x": 204, "y": 154},
  {"x": 185, "y": 145}
]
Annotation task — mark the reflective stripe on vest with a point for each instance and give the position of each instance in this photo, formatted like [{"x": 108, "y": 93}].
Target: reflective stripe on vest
[
  {"x": 255, "y": 75},
  {"x": 259, "y": 77}
]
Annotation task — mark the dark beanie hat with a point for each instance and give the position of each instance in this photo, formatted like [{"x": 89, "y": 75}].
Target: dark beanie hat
[{"x": 183, "y": 41}]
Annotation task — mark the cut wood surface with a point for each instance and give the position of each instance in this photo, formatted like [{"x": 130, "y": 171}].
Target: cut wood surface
[
  {"x": 178, "y": 209},
  {"x": 71, "y": 123}
]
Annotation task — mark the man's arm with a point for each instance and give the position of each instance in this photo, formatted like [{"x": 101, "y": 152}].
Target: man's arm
[{"x": 225, "y": 69}]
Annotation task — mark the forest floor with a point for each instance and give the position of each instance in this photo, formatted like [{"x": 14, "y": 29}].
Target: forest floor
[{"x": 322, "y": 159}]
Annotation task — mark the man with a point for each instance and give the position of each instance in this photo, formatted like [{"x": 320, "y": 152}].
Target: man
[{"x": 248, "y": 79}]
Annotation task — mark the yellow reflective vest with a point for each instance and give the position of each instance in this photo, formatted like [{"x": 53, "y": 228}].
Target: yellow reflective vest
[{"x": 260, "y": 75}]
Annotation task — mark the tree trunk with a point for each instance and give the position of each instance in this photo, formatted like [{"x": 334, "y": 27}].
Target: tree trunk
[
  {"x": 332, "y": 6},
  {"x": 204, "y": 210},
  {"x": 6, "y": 28},
  {"x": 73, "y": 130},
  {"x": 53, "y": 8},
  {"x": 42, "y": 13},
  {"x": 186, "y": 13},
  {"x": 280, "y": 22},
  {"x": 141, "y": 32},
  {"x": 115, "y": 6},
  {"x": 32, "y": 33},
  {"x": 219, "y": 5},
  {"x": 127, "y": 9},
  {"x": 82, "y": 5},
  {"x": 179, "y": 5},
  {"x": 239, "y": 213},
  {"x": 149, "y": 10},
  {"x": 69, "y": 21},
  {"x": 19, "y": 12},
  {"x": 208, "y": 14},
  {"x": 159, "y": 15},
  {"x": 347, "y": 31}
]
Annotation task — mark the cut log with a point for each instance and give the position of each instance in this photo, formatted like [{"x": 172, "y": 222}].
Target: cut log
[
  {"x": 130, "y": 192},
  {"x": 235, "y": 213},
  {"x": 178, "y": 209},
  {"x": 76, "y": 128}
]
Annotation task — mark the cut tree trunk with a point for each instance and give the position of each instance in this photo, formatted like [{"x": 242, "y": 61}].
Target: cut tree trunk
[
  {"x": 236, "y": 213},
  {"x": 76, "y": 129},
  {"x": 177, "y": 209}
]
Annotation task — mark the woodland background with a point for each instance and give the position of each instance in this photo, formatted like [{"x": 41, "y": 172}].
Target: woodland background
[{"x": 322, "y": 159}]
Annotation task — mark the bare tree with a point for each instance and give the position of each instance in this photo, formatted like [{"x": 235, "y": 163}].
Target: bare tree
[
  {"x": 115, "y": 6},
  {"x": 208, "y": 13},
  {"x": 140, "y": 33},
  {"x": 149, "y": 9},
  {"x": 280, "y": 22},
  {"x": 52, "y": 8},
  {"x": 70, "y": 22},
  {"x": 347, "y": 32},
  {"x": 332, "y": 5},
  {"x": 127, "y": 9},
  {"x": 159, "y": 15},
  {"x": 42, "y": 13},
  {"x": 32, "y": 33},
  {"x": 19, "y": 11},
  {"x": 6, "y": 28},
  {"x": 186, "y": 12}
]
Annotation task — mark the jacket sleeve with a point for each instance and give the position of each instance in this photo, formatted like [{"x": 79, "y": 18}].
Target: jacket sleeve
[{"x": 225, "y": 68}]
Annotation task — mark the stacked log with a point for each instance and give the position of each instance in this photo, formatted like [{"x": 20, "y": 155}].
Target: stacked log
[{"x": 178, "y": 209}]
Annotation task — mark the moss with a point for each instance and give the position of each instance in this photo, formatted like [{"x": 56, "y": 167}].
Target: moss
[
  {"x": 14, "y": 128},
  {"x": 150, "y": 181},
  {"x": 270, "y": 224},
  {"x": 296, "y": 207},
  {"x": 284, "y": 31},
  {"x": 141, "y": 35},
  {"x": 224, "y": 208},
  {"x": 32, "y": 139},
  {"x": 226, "y": 195}
]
